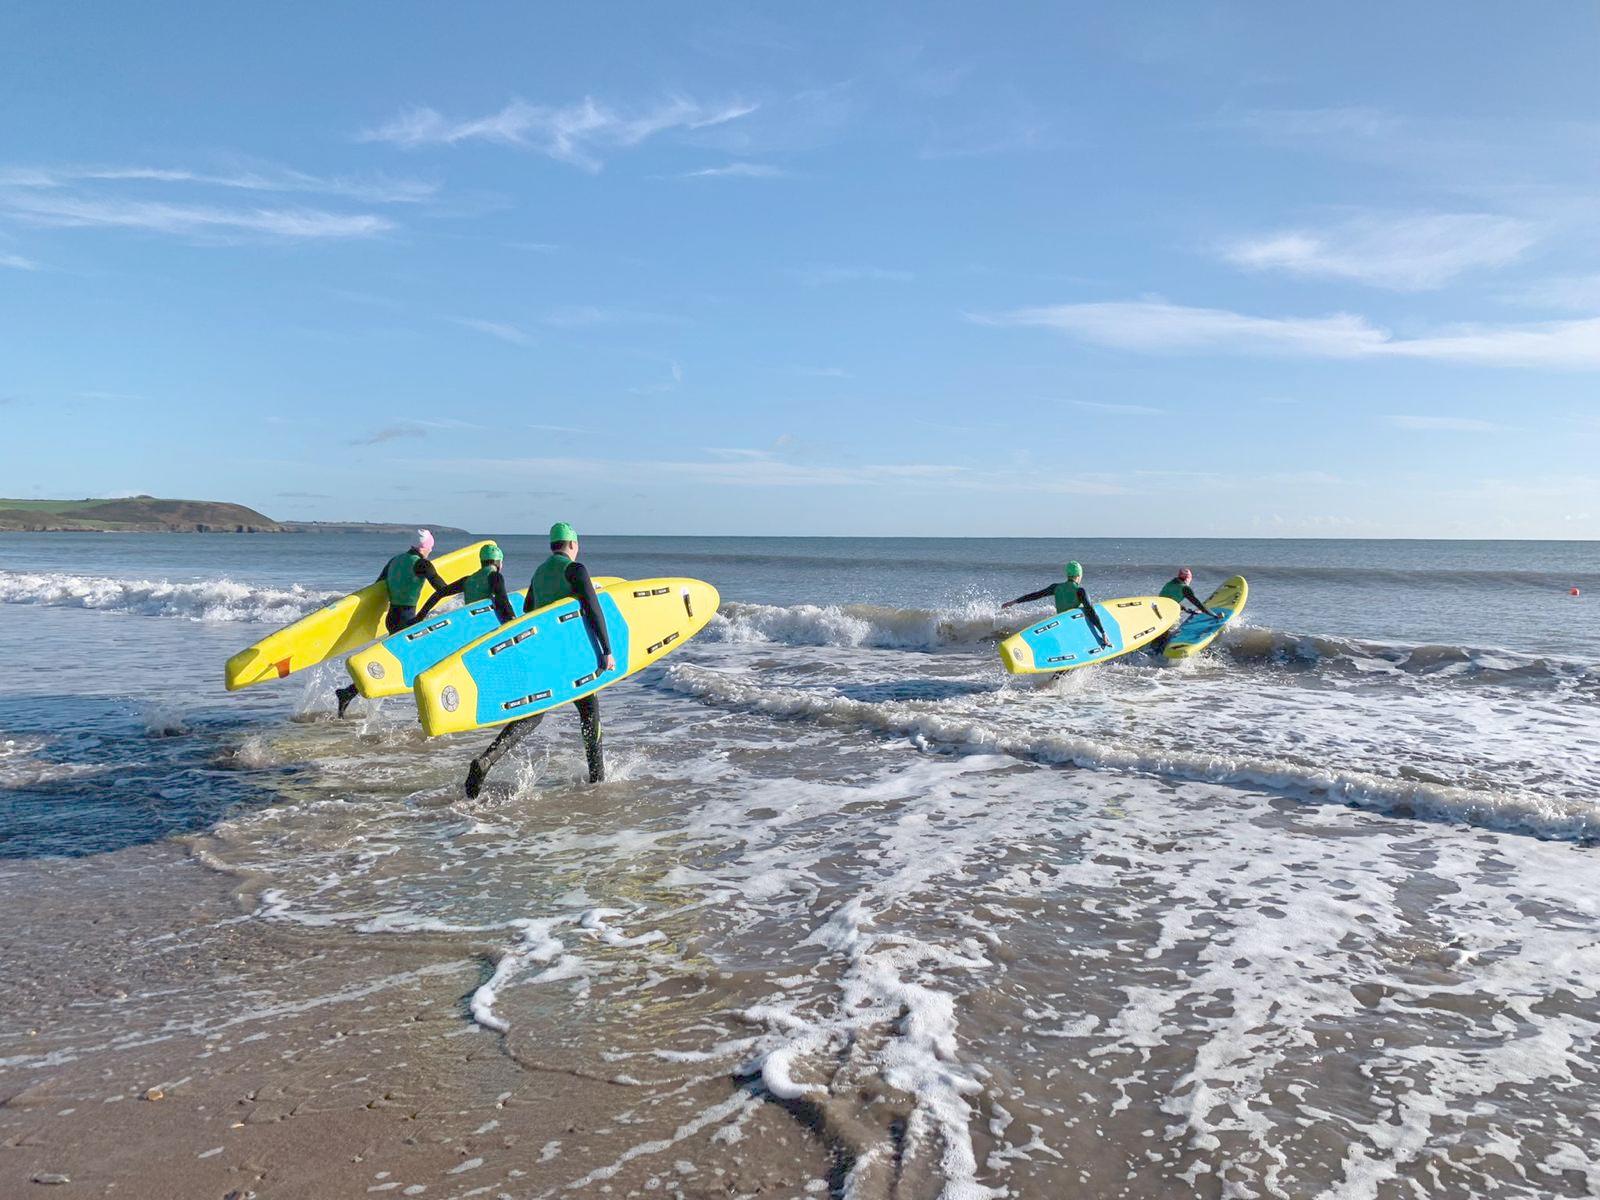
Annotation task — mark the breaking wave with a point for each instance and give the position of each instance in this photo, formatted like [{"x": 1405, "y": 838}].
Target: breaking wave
[
  {"x": 1509, "y": 811},
  {"x": 871, "y": 625},
  {"x": 207, "y": 600}
]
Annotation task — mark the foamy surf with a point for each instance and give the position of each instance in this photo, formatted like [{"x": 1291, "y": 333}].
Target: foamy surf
[
  {"x": 928, "y": 721},
  {"x": 207, "y": 600}
]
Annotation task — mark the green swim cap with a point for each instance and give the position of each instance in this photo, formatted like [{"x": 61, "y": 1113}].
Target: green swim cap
[
  {"x": 562, "y": 532},
  {"x": 491, "y": 553},
  {"x": 1074, "y": 569}
]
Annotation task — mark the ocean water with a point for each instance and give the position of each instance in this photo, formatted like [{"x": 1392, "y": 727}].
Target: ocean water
[{"x": 1315, "y": 914}]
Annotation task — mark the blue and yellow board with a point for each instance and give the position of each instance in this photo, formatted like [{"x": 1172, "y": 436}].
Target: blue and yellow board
[
  {"x": 1066, "y": 641},
  {"x": 392, "y": 666},
  {"x": 333, "y": 629},
  {"x": 547, "y": 658},
  {"x": 1199, "y": 631}
]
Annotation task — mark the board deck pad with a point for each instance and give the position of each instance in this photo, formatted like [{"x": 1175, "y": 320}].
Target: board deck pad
[
  {"x": 1199, "y": 631},
  {"x": 390, "y": 667},
  {"x": 548, "y": 658},
  {"x": 1066, "y": 641},
  {"x": 338, "y": 628}
]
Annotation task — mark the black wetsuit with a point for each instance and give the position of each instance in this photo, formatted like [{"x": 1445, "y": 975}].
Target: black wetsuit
[
  {"x": 395, "y": 618},
  {"x": 1185, "y": 594},
  {"x": 1089, "y": 614},
  {"x": 497, "y": 594},
  {"x": 582, "y": 588}
]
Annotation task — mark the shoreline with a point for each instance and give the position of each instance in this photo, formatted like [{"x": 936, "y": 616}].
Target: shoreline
[{"x": 251, "y": 1058}]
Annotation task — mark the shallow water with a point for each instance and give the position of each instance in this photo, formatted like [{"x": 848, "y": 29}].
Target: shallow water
[{"x": 1312, "y": 915}]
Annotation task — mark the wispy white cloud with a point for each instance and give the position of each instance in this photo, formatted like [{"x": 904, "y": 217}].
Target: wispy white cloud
[
  {"x": 1154, "y": 326},
  {"x": 579, "y": 133},
  {"x": 414, "y": 427},
  {"x": 389, "y": 433},
  {"x": 16, "y": 262},
  {"x": 378, "y": 190},
  {"x": 1132, "y": 410},
  {"x": 1573, "y": 292},
  {"x": 203, "y": 222},
  {"x": 736, "y": 468},
  {"x": 1441, "y": 424},
  {"x": 821, "y": 276},
  {"x": 737, "y": 170},
  {"x": 498, "y": 329},
  {"x": 1408, "y": 253},
  {"x": 1294, "y": 125}
]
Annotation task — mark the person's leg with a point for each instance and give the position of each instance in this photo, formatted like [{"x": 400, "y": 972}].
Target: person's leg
[
  {"x": 593, "y": 747},
  {"x": 345, "y": 695},
  {"x": 507, "y": 741},
  {"x": 394, "y": 620}
]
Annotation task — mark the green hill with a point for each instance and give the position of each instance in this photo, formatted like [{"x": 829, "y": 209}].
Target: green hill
[{"x": 134, "y": 514}]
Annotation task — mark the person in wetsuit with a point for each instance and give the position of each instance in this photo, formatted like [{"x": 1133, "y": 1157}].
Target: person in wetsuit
[
  {"x": 1068, "y": 597},
  {"x": 1178, "y": 588},
  {"x": 559, "y": 577},
  {"x": 404, "y": 575},
  {"x": 486, "y": 583}
]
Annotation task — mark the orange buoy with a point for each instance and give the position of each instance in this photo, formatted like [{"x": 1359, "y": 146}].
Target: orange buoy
[{"x": 1573, "y": 592}]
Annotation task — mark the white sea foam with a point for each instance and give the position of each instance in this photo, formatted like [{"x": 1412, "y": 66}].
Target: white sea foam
[
  {"x": 1497, "y": 808},
  {"x": 206, "y": 600},
  {"x": 862, "y": 625}
]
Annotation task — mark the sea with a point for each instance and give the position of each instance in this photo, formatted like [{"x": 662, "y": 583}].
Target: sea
[{"x": 1314, "y": 914}]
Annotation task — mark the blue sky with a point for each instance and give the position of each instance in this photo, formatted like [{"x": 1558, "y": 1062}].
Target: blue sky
[{"x": 1168, "y": 269}]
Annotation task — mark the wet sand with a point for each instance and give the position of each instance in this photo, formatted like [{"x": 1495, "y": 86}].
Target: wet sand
[{"x": 231, "y": 1057}]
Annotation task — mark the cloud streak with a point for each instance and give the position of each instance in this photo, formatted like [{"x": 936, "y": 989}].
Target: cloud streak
[
  {"x": 391, "y": 433},
  {"x": 1441, "y": 424},
  {"x": 737, "y": 170},
  {"x": 496, "y": 329},
  {"x": 755, "y": 468},
  {"x": 379, "y": 190},
  {"x": 823, "y": 276},
  {"x": 1411, "y": 253},
  {"x": 203, "y": 222},
  {"x": 1155, "y": 326},
  {"x": 579, "y": 134}
]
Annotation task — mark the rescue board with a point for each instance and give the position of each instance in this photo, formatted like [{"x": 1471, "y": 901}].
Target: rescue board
[
  {"x": 1066, "y": 641},
  {"x": 336, "y": 628},
  {"x": 1199, "y": 631},
  {"x": 391, "y": 666},
  {"x": 547, "y": 658}
]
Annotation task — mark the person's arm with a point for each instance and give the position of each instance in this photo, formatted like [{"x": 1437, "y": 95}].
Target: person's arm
[
  {"x": 578, "y": 579},
  {"x": 383, "y": 574},
  {"x": 439, "y": 593},
  {"x": 1092, "y": 617},
  {"x": 1188, "y": 594},
  {"x": 1031, "y": 596},
  {"x": 502, "y": 602},
  {"x": 426, "y": 570}
]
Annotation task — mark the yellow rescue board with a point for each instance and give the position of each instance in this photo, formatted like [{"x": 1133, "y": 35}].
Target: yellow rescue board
[
  {"x": 337, "y": 628},
  {"x": 390, "y": 667},
  {"x": 547, "y": 657},
  {"x": 1066, "y": 642},
  {"x": 1199, "y": 631}
]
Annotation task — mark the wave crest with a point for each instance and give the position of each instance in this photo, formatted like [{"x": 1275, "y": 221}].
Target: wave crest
[
  {"x": 871, "y": 625},
  {"x": 207, "y": 600},
  {"x": 1514, "y": 812}
]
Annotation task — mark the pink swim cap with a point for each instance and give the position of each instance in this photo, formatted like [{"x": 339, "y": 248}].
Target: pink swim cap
[
  {"x": 1185, "y": 574},
  {"x": 424, "y": 542}
]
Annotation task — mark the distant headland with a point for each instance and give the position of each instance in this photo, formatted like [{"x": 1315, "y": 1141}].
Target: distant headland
[{"x": 147, "y": 514}]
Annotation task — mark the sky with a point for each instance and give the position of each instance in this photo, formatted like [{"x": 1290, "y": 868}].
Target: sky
[{"x": 947, "y": 269}]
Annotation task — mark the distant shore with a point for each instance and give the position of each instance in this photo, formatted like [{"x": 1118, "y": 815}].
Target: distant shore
[{"x": 147, "y": 514}]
